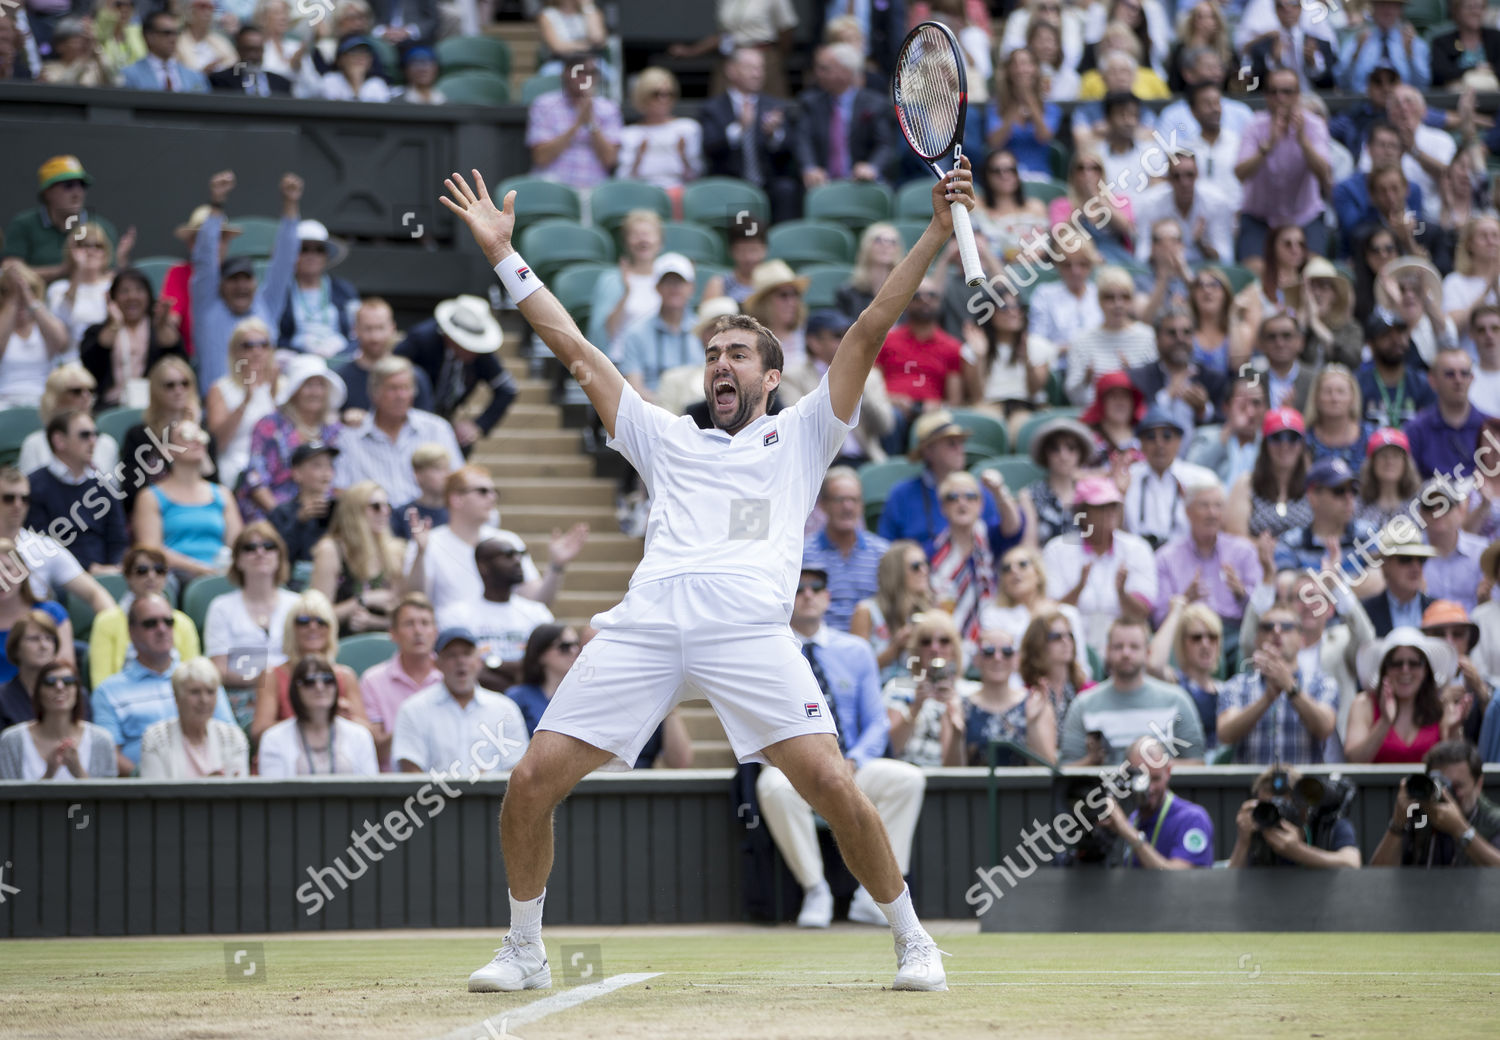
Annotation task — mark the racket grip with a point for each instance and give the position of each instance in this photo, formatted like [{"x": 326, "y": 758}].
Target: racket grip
[{"x": 968, "y": 252}]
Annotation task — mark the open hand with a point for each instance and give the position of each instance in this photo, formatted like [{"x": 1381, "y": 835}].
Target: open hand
[
  {"x": 491, "y": 227},
  {"x": 564, "y": 548}
]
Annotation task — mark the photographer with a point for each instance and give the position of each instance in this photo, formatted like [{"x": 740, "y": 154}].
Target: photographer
[
  {"x": 1301, "y": 835},
  {"x": 1452, "y": 824},
  {"x": 1274, "y": 714},
  {"x": 1181, "y": 833}
]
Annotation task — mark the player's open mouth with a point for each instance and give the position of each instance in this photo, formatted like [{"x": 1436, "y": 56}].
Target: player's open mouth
[{"x": 725, "y": 393}]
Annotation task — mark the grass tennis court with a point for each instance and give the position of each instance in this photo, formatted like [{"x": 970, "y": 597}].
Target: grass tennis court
[{"x": 744, "y": 981}]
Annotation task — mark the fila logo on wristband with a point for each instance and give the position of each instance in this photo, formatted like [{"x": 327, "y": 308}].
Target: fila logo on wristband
[
  {"x": 517, "y": 278},
  {"x": 523, "y": 272}
]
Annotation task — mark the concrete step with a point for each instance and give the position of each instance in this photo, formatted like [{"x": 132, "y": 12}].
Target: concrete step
[
  {"x": 516, "y": 441},
  {"x": 523, "y": 416},
  {"x": 575, "y": 605},
  {"x": 593, "y": 574},
  {"x": 507, "y": 468},
  {"x": 713, "y": 754},
  {"x": 530, "y": 519},
  {"x": 533, "y": 391},
  {"x": 566, "y": 491},
  {"x": 605, "y": 545}
]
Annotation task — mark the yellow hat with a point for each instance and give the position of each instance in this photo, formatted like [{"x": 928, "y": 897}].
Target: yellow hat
[{"x": 61, "y": 168}]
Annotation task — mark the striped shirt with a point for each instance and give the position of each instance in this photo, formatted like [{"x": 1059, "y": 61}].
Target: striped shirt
[
  {"x": 1279, "y": 735},
  {"x": 369, "y": 454},
  {"x": 851, "y": 578}
]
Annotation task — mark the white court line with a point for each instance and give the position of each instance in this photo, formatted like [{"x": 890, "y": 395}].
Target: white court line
[
  {"x": 1228, "y": 973},
  {"x": 498, "y": 1025}
]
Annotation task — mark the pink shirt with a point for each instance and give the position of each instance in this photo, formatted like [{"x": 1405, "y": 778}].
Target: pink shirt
[
  {"x": 1284, "y": 191},
  {"x": 386, "y": 687}
]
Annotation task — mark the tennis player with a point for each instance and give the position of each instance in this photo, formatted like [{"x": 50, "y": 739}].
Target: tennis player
[{"x": 707, "y": 611}]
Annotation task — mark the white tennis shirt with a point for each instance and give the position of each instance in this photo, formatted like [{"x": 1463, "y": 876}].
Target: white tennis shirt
[{"x": 723, "y": 505}]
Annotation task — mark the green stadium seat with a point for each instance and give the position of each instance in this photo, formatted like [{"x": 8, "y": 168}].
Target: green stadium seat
[
  {"x": 911, "y": 230},
  {"x": 155, "y": 268},
  {"x": 1018, "y": 470},
  {"x": 914, "y": 201},
  {"x": 610, "y": 201},
  {"x": 81, "y": 611},
  {"x": 474, "y": 87},
  {"x": 390, "y": 59},
  {"x": 1047, "y": 274},
  {"x": 117, "y": 422},
  {"x": 855, "y": 204},
  {"x": 706, "y": 272},
  {"x": 876, "y": 480},
  {"x": 1238, "y": 276},
  {"x": 800, "y": 242},
  {"x": 725, "y": 202},
  {"x": 551, "y": 245},
  {"x": 1045, "y": 190},
  {"x": 365, "y": 651},
  {"x": 1432, "y": 32},
  {"x": 1059, "y": 156},
  {"x": 1422, "y": 13},
  {"x": 574, "y": 289},
  {"x": 694, "y": 241},
  {"x": 536, "y": 86},
  {"x": 488, "y": 53},
  {"x": 256, "y": 237},
  {"x": 538, "y": 199},
  {"x": 16, "y": 424},
  {"x": 1029, "y": 427},
  {"x": 200, "y": 592},
  {"x": 827, "y": 279},
  {"x": 987, "y": 437}
]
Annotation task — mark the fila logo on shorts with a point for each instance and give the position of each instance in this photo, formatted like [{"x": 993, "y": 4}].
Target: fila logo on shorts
[
  {"x": 814, "y": 711},
  {"x": 769, "y": 439}
]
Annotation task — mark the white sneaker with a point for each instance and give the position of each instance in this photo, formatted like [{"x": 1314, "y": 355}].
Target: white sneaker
[
  {"x": 864, "y": 909},
  {"x": 517, "y": 965},
  {"x": 817, "y": 907},
  {"x": 919, "y": 964}
]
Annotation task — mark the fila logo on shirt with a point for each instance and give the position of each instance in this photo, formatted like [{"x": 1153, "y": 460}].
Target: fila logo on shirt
[
  {"x": 769, "y": 439},
  {"x": 814, "y": 711}
]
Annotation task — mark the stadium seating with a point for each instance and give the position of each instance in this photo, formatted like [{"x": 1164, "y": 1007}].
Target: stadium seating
[
  {"x": 474, "y": 52},
  {"x": 610, "y": 201},
  {"x": 855, "y": 204},
  {"x": 474, "y": 87},
  {"x": 538, "y": 199},
  {"x": 1018, "y": 470},
  {"x": 911, "y": 230},
  {"x": 155, "y": 268},
  {"x": 574, "y": 288},
  {"x": 826, "y": 279},
  {"x": 1046, "y": 190},
  {"x": 725, "y": 202},
  {"x": 366, "y": 650},
  {"x": 694, "y": 241},
  {"x": 390, "y": 59},
  {"x": 914, "y": 201},
  {"x": 551, "y": 245},
  {"x": 987, "y": 435},
  {"x": 801, "y": 242},
  {"x": 1238, "y": 276},
  {"x": 536, "y": 86},
  {"x": 256, "y": 237},
  {"x": 199, "y": 593},
  {"x": 876, "y": 480},
  {"x": 116, "y": 422},
  {"x": 81, "y": 611},
  {"x": 1424, "y": 13},
  {"x": 15, "y": 425},
  {"x": 1029, "y": 427}
]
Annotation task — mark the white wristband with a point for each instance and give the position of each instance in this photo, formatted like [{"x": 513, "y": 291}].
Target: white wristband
[{"x": 520, "y": 281}]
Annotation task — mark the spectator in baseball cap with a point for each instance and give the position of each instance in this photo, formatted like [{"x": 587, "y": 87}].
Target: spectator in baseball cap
[
  {"x": 1388, "y": 479},
  {"x": 1271, "y": 496},
  {"x": 1155, "y": 507},
  {"x": 664, "y": 340},
  {"x": 825, "y": 329},
  {"x": 1332, "y": 487},
  {"x": 38, "y": 235},
  {"x": 1390, "y": 382}
]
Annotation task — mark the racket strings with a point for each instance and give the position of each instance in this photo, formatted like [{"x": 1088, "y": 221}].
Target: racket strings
[{"x": 928, "y": 94}]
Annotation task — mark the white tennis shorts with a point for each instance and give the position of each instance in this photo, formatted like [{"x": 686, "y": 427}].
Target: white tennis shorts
[{"x": 719, "y": 637}]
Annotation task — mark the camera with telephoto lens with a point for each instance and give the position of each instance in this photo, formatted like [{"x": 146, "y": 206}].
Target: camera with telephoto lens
[
  {"x": 1428, "y": 787},
  {"x": 1317, "y": 804},
  {"x": 1085, "y": 797}
]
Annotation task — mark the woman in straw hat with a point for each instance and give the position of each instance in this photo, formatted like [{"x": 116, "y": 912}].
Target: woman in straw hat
[
  {"x": 1412, "y": 287},
  {"x": 779, "y": 302},
  {"x": 1334, "y": 417},
  {"x": 1328, "y": 316},
  {"x": 1401, "y": 714},
  {"x": 1063, "y": 447}
]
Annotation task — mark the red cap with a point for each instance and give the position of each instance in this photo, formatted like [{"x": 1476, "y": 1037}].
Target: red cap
[
  {"x": 1094, "y": 413},
  {"x": 1279, "y": 419},
  {"x": 1387, "y": 438}
]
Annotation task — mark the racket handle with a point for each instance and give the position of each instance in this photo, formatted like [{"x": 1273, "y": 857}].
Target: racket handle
[{"x": 968, "y": 252}]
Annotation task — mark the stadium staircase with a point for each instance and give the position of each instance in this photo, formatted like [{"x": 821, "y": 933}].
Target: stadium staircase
[{"x": 547, "y": 481}]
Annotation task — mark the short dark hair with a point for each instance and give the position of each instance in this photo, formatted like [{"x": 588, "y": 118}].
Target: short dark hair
[
  {"x": 303, "y": 668},
  {"x": 1196, "y": 91},
  {"x": 1481, "y": 310},
  {"x": 155, "y": 17},
  {"x": 1455, "y": 752},
  {"x": 1381, "y": 127},
  {"x": 31, "y": 619},
  {"x": 244, "y": 30},
  {"x": 60, "y": 422},
  {"x": 1117, "y": 99},
  {"x": 411, "y": 601},
  {"x": 766, "y": 343}
]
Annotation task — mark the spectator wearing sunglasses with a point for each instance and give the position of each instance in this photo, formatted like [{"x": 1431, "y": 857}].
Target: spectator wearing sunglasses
[
  {"x": 194, "y": 744},
  {"x": 1275, "y": 712},
  {"x": 39, "y": 235},
  {"x": 31, "y": 643},
  {"x": 1333, "y": 532},
  {"x": 1402, "y": 713},
  {"x": 1155, "y": 503},
  {"x": 140, "y": 694},
  {"x": 1003, "y": 709},
  {"x": 317, "y": 739},
  {"x": 1444, "y": 433},
  {"x": 72, "y": 501},
  {"x": 192, "y": 518},
  {"x": 926, "y": 706},
  {"x": 58, "y": 744},
  {"x": 1208, "y": 565},
  {"x": 1192, "y": 635},
  {"x": 311, "y": 629},
  {"x": 244, "y": 628},
  {"x": 963, "y": 563},
  {"x": 69, "y": 387},
  {"x": 145, "y": 570},
  {"x": 502, "y": 621}
]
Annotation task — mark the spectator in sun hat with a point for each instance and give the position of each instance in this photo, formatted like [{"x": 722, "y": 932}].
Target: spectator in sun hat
[
  {"x": 1155, "y": 503},
  {"x": 1404, "y": 676},
  {"x": 458, "y": 349},
  {"x": 319, "y": 314},
  {"x": 1332, "y": 488},
  {"x": 1062, "y": 447},
  {"x": 307, "y": 408},
  {"x": 1117, "y": 406},
  {"x": 1388, "y": 479},
  {"x": 351, "y": 78},
  {"x": 37, "y": 235},
  {"x": 1449, "y": 621}
]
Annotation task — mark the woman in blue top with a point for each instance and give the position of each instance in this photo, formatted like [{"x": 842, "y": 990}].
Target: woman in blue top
[
  {"x": 17, "y": 601},
  {"x": 1192, "y": 636},
  {"x": 550, "y": 652},
  {"x": 1004, "y": 709},
  {"x": 1334, "y": 417},
  {"x": 1018, "y": 119},
  {"x": 190, "y": 517}
]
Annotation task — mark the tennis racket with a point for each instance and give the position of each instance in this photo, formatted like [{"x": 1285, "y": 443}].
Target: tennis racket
[{"x": 931, "y": 93}]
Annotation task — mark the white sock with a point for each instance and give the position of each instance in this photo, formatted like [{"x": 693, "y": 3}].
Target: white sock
[
  {"x": 821, "y": 886},
  {"x": 526, "y": 917},
  {"x": 901, "y": 914}
]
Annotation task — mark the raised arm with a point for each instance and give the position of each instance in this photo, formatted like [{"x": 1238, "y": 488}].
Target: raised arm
[
  {"x": 492, "y": 229},
  {"x": 857, "y": 351}
]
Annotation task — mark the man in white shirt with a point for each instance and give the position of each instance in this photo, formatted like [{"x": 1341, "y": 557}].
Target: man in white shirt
[
  {"x": 1126, "y": 165},
  {"x": 380, "y": 448},
  {"x": 501, "y": 620},
  {"x": 1200, "y": 65},
  {"x": 1484, "y": 328},
  {"x": 1426, "y": 150},
  {"x": 1155, "y": 502},
  {"x": 1105, "y": 572},
  {"x": 455, "y": 726},
  {"x": 1260, "y": 18},
  {"x": 1216, "y": 144},
  {"x": 1062, "y": 310},
  {"x": 1205, "y": 215}
]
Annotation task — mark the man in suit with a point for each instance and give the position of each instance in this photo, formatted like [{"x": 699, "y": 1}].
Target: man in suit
[
  {"x": 1351, "y": 196},
  {"x": 458, "y": 350},
  {"x": 400, "y": 21},
  {"x": 1279, "y": 343},
  {"x": 160, "y": 69},
  {"x": 845, "y": 130},
  {"x": 1403, "y": 598},
  {"x": 748, "y": 134},
  {"x": 1191, "y": 395},
  {"x": 883, "y": 24},
  {"x": 1292, "y": 47},
  {"x": 247, "y": 76}
]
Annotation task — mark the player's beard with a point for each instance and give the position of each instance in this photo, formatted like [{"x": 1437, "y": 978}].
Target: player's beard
[{"x": 749, "y": 399}]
